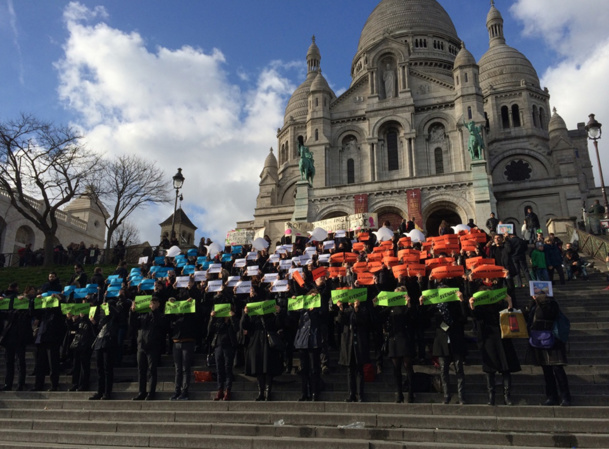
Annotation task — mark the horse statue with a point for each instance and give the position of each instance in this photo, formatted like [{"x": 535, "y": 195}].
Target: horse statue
[
  {"x": 475, "y": 143},
  {"x": 306, "y": 164}
]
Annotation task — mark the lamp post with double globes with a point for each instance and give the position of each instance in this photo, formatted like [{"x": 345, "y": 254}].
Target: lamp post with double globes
[
  {"x": 178, "y": 182},
  {"x": 593, "y": 128}
]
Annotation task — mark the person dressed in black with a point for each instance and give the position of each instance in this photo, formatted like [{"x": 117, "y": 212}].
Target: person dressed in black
[
  {"x": 398, "y": 331},
  {"x": 223, "y": 334},
  {"x": 261, "y": 360},
  {"x": 82, "y": 351},
  {"x": 531, "y": 221},
  {"x": 449, "y": 343},
  {"x": 491, "y": 223},
  {"x": 184, "y": 330},
  {"x": 308, "y": 342},
  {"x": 543, "y": 311},
  {"x": 16, "y": 334},
  {"x": 498, "y": 354},
  {"x": 50, "y": 333},
  {"x": 53, "y": 284},
  {"x": 354, "y": 347},
  {"x": 79, "y": 278},
  {"x": 151, "y": 330},
  {"x": 105, "y": 346}
]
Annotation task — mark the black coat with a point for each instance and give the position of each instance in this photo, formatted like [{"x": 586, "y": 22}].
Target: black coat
[
  {"x": 354, "y": 345},
  {"x": 541, "y": 316},
  {"x": 17, "y": 326},
  {"x": 52, "y": 326},
  {"x": 398, "y": 330},
  {"x": 498, "y": 354},
  {"x": 223, "y": 332},
  {"x": 308, "y": 335},
  {"x": 259, "y": 357},
  {"x": 449, "y": 340},
  {"x": 151, "y": 329}
]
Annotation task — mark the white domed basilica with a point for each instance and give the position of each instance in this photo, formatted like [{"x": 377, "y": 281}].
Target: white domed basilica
[{"x": 424, "y": 131}]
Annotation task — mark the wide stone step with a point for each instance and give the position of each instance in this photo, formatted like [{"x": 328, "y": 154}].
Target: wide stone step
[{"x": 231, "y": 422}]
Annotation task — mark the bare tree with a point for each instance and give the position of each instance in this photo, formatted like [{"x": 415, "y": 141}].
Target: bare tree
[
  {"x": 42, "y": 168},
  {"x": 127, "y": 232},
  {"x": 128, "y": 183}
]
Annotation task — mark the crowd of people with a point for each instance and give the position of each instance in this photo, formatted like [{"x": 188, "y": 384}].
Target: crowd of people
[{"x": 364, "y": 293}]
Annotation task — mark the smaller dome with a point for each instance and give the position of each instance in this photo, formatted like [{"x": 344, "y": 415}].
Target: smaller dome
[
  {"x": 464, "y": 57},
  {"x": 557, "y": 125},
  {"x": 313, "y": 51},
  {"x": 297, "y": 106},
  {"x": 271, "y": 160},
  {"x": 320, "y": 84},
  {"x": 493, "y": 14}
]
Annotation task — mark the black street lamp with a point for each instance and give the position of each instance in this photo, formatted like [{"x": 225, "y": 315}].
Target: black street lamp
[
  {"x": 593, "y": 128},
  {"x": 178, "y": 182}
]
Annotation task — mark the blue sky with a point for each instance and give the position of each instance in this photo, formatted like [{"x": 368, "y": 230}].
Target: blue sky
[{"x": 203, "y": 84}]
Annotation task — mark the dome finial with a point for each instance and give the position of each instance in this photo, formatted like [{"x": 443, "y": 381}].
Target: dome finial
[
  {"x": 313, "y": 38},
  {"x": 554, "y": 110},
  {"x": 492, "y": 2},
  {"x": 271, "y": 150}
]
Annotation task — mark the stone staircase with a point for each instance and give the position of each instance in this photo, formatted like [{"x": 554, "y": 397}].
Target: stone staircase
[{"x": 67, "y": 419}]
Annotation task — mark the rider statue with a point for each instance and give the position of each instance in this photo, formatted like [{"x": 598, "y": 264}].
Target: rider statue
[
  {"x": 306, "y": 163},
  {"x": 475, "y": 143}
]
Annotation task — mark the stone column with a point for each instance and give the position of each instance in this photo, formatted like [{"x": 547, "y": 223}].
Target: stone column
[
  {"x": 301, "y": 203},
  {"x": 484, "y": 198}
]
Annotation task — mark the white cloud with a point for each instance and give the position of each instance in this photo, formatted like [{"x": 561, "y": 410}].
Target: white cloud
[
  {"x": 578, "y": 33},
  {"x": 176, "y": 108}
]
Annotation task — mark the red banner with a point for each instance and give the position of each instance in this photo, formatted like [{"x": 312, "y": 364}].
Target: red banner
[
  {"x": 361, "y": 203},
  {"x": 414, "y": 207}
]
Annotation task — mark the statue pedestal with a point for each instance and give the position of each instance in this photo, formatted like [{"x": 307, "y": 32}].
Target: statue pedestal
[
  {"x": 484, "y": 198},
  {"x": 301, "y": 203}
]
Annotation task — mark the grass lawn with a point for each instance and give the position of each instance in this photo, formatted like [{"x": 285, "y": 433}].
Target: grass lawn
[{"x": 37, "y": 276}]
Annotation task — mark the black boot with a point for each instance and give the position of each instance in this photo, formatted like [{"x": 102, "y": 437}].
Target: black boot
[
  {"x": 507, "y": 389},
  {"x": 445, "y": 387},
  {"x": 460, "y": 388},
  {"x": 267, "y": 392},
  {"x": 260, "y": 396},
  {"x": 490, "y": 388}
]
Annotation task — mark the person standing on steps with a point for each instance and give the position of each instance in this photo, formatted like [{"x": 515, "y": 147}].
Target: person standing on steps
[
  {"x": 543, "y": 312},
  {"x": 449, "y": 343},
  {"x": 354, "y": 347},
  {"x": 151, "y": 330},
  {"x": 399, "y": 335},
  {"x": 262, "y": 361},
  {"x": 223, "y": 334},
  {"x": 498, "y": 354}
]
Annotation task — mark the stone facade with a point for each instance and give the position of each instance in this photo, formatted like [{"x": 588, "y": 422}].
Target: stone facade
[
  {"x": 400, "y": 127},
  {"x": 81, "y": 221}
]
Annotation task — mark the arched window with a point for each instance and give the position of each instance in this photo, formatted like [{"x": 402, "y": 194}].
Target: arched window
[
  {"x": 466, "y": 79},
  {"x": 542, "y": 118},
  {"x": 392, "y": 150},
  {"x": 316, "y": 102},
  {"x": 535, "y": 121},
  {"x": 516, "y": 116},
  {"x": 316, "y": 135},
  {"x": 350, "y": 171},
  {"x": 469, "y": 112},
  {"x": 439, "y": 161},
  {"x": 505, "y": 117},
  {"x": 282, "y": 154}
]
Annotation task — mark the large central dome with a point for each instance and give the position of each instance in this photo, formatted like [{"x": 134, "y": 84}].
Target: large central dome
[{"x": 406, "y": 17}]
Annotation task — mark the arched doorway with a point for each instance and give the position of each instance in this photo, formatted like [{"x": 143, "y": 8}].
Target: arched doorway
[
  {"x": 392, "y": 215},
  {"x": 435, "y": 218}
]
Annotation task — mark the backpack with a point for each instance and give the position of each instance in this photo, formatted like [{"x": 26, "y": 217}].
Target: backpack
[{"x": 561, "y": 327}]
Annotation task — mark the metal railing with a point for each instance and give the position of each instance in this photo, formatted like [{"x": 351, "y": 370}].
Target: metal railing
[{"x": 594, "y": 246}]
